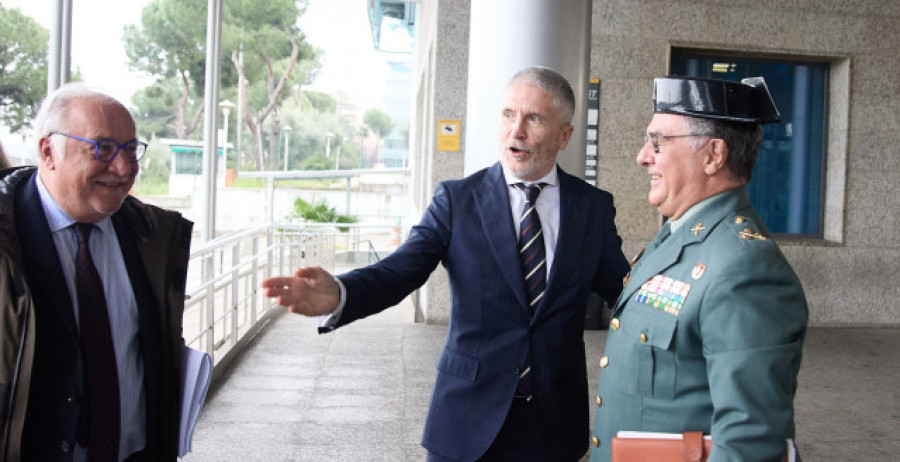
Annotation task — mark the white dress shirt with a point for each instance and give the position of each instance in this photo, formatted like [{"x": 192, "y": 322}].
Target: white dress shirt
[
  {"x": 547, "y": 209},
  {"x": 123, "y": 315}
]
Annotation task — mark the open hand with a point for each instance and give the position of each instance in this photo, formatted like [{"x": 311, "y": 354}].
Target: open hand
[{"x": 310, "y": 291}]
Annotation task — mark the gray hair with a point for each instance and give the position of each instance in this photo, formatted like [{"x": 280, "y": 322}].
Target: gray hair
[
  {"x": 550, "y": 81},
  {"x": 742, "y": 140},
  {"x": 55, "y": 108}
]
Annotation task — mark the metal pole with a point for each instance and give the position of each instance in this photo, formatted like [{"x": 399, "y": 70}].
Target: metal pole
[
  {"x": 347, "y": 197},
  {"x": 65, "y": 41},
  {"x": 210, "y": 304},
  {"x": 270, "y": 240},
  {"x": 287, "y": 131},
  {"x": 225, "y": 106},
  {"x": 55, "y": 46},
  {"x": 286, "y": 140},
  {"x": 210, "y": 117},
  {"x": 239, "y": 123},
  {"x": 271, "y": 193},
  {"x": 254, "y": 281},
  {"x": 235, "y": 292},
  {"x": 262, "y": 165},
  {"x": 337, "y": 159}
]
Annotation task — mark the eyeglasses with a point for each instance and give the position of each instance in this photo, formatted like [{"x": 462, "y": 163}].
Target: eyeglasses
[
  {"x": 654, "y": 138},
  {"x": 106, "y": 150}
]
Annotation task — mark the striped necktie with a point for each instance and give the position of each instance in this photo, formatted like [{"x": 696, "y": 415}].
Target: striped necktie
[
  {"x": 531, "y": 245},
  {"x": 101, "y": 374}
]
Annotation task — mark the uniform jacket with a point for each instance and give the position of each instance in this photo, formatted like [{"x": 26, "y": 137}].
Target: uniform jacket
[
  {"x": 706, "y": 336},
  {"x": 468, "y": 228},
  {"x": 40, "y": 357}
]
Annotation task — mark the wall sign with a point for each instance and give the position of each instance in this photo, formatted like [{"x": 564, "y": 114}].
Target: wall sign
[{"x": 448, "y": 135}]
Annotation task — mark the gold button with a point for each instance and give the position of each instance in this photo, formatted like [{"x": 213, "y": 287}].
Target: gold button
[
  {"x": 604, "y": 361},
  {"x": 740, "y": 219},
  {"x": 614, "y": 324},
  {"x": 595, "y": 441},
  {"x": 643, "y": 338},
  {"x": 599, "y": 401}
]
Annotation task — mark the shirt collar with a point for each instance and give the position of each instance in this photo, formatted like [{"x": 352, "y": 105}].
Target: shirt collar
[
  {"x": 57, "y": 218},
  {"x": 552, "y": 178},
  {"x": 694, "y": 210}
]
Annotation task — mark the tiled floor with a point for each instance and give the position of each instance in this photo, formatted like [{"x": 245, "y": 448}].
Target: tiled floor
[{"x": 361, "y": 394}]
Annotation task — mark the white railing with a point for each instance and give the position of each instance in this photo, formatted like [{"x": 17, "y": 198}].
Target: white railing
[
  {"x": 225, "y": 306},
  {"x": 359, "y": 243}
]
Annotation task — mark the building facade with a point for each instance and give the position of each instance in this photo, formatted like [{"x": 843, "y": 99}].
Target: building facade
[{"x": 840, "y": 65}]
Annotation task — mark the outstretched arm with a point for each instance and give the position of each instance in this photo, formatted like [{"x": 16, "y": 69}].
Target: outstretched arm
[{"x": 310, "y": 291}]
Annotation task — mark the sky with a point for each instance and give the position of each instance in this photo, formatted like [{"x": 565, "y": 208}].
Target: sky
[
  {"x": 339, "y": 27},
  {"x": 350, "y": 64}
]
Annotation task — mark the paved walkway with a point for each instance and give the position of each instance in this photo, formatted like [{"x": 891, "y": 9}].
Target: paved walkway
[{"x": 361, "y": 394}]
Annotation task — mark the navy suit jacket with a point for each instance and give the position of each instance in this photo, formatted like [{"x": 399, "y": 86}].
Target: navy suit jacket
[
  {"x": 492, "y": 335},
  {"x": 56, "y": 404}
]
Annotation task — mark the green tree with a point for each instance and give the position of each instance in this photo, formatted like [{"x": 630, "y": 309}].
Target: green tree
[
  {"x": 321, "y": 102},
  {"x": 312, "y": 127},
  {"x": 153, "y": 109},
  {"x": 317, "y": 161},
  {"x": 23, "y": 68},
  {"x": 380, "y": 123},
  {"x": 155, "y": 167},
  {"x": 170, "y": 44},
  {"x": 270, "y": 55}
]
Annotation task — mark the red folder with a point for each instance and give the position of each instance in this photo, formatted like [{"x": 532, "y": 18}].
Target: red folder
[{"x": 669, "y": 447}]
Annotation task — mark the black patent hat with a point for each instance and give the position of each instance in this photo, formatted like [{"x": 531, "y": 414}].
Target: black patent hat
[{"x": 747, "y": 101}]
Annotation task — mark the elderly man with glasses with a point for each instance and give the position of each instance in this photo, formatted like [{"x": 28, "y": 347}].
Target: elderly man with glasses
[
  {"x": 707, "y": 334},
  {"x": 92, "y": 284}
]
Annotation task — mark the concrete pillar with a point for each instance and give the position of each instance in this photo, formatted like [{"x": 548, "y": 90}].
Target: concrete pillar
[{"x": 508, "y": 35}]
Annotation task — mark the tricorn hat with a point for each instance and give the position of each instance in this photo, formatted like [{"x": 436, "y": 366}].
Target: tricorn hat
[{"x": 747, "y": 101}]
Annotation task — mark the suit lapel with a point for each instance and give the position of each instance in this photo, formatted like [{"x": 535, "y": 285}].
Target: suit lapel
[
  {"x": 41, "y": 258},
  {"x": 149, "y": 327},
  {"x": 568, "y": 240},
  {"x": 492, "y": 201}
]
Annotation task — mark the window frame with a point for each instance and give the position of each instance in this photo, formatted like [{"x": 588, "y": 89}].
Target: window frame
[{"x": 835, "y": 133}]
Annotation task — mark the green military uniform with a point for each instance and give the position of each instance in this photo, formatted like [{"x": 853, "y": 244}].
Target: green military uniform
[{"x": 706, "y": 336}]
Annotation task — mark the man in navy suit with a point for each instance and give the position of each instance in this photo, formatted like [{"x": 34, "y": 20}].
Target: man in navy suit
[
  {"x": 91, "y": 294},
  {"x": 511, "y": 381}
]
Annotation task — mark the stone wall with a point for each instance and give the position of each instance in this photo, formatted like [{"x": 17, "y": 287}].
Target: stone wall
[{"x": 850, "y": 277}]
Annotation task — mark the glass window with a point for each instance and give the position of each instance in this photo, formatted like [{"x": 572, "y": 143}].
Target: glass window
[
  {"x": 188, "y": 161},
  {"x": 787, "y": 187}
]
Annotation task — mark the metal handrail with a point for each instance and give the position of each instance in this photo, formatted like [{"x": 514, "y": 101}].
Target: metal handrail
[
  {"x": 371, "y": 253},
  {"x": 224, "y": 305}
]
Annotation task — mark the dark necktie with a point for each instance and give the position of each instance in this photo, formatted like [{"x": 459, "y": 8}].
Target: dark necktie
[
  {"x": 99, "y": 355},
  {"x": 531, "y": 245}
]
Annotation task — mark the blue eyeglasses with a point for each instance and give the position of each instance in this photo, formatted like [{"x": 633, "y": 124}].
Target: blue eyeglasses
[{"x": 106, "y": 150}]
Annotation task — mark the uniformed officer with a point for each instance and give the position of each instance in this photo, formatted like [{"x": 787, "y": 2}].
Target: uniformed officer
[{"x": 708, "y": 332}]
